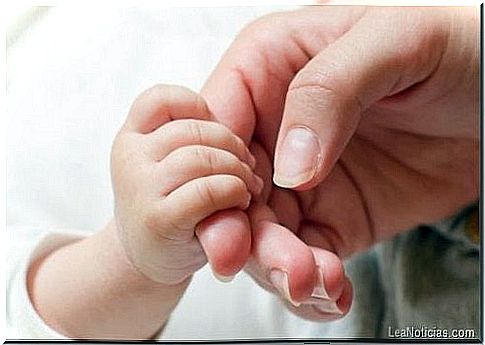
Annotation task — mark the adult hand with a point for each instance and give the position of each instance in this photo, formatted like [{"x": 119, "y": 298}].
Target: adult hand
[{"x": 371, "y": 118}]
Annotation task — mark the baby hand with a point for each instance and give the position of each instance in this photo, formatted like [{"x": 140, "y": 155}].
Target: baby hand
[{"x": 170, "y": 172}]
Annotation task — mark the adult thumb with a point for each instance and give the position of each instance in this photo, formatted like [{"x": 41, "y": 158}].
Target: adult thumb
[{"x": 327, "y": 97}]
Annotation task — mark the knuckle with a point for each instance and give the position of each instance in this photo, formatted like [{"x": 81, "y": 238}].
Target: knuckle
[
  {"x": 211, "y": 160},
  {"x": 194, "y": 129},
  {"x": 167, "y": 92},
  {"x": 263, "y": 24},
  {"x": 225, "y": 190},
  {"x": 155, "y": 91},
  {"x": 319, "y": 90},
  {"x": 311, "y": 92},
  {"x": 266, "y": 29},
  {"x": 219, "y": 130},
  {"x": 225, "y": 161},
  {"x": 181, "y": 155},
  {"x": 194, "y": 153},
  {"x": 219, "y": 160},
  {"x": 315, "y": 82},
  {"x": 207, "y": 193},
  {"x": 229, "y": 140},
  {"x": 194, "y": 158}
]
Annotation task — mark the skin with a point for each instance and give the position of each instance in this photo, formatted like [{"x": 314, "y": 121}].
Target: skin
[
  {"x": 172, "y": 167},
  {"x": 391, "y": 97},
  {"x": 169, "y": 173}
]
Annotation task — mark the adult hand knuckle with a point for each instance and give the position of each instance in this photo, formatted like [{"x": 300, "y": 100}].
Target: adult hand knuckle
[{"x": 320, "y": 91}]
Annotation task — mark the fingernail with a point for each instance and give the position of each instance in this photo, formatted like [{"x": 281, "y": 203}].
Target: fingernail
[
  {"x": 330, "y": 308},
  {"x": 221, "y": 278},
  {"x": 258, "y": 181},
  {"x": 252, "y": 160},
  {"x": 319, "y": 291},
  {"x": 298, "y": 158},
  {"x": 247, "y": 202},
  {"x": 279, "y": 279}
]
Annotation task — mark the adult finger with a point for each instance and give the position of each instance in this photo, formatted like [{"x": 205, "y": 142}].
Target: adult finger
[
  {"x": 326, "y": 98},
  {"x": 301, "y": 275},
  {"x": 332, "y": 295},
  {"x": 326, "y": 311},
  {"x": 280, "y": 261},
  {"x": 226, "y": 241}
]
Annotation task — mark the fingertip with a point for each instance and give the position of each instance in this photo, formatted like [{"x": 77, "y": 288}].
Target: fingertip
[
  {"x": 298, "y": 157},
  {"x": 251, "y": 159},
  {"x": 226, "y": 239},
  {"x": 289, "y": 263},
  {"x": 262, "y": 169},
  {"x": 221, "y": 278},
  {"x": 331, "y": 280},
  {"x": 344, "y": 302},
  {"x": 327, "y": 310},
  {"x": 259, "y": 185},
  {"x": 246, "y": 201}
]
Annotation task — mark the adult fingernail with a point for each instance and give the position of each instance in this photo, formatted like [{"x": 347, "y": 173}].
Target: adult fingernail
[
  {"x": 330, "y": 308},
  {"x": 221, "y": 278},
  {"x": 298, "y": 158},
  {"x": 319, "y": 291},
  {"x": 279, "y": 279}
]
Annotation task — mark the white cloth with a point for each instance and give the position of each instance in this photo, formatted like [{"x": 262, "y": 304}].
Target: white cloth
[
  {"x": 72, "y": 75},
  {"x": 23, "y": 322}
]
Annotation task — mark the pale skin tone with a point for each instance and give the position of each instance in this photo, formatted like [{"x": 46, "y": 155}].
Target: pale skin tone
[
  {"x": 389, "y": 98},
  {"x": 169, "y": 173}
]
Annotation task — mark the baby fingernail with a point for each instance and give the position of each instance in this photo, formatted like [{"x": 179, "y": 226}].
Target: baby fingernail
[
  {"x": 221, "y": 278},
  {"x": 330, "y": 308},
  {"x": 319, "y": 291},
  {"x": 252, "y": 161},
  {"x": 298, "y": 158},
  {"x": 258, "y": 181},
  {"x": 279, "y": 279}
]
